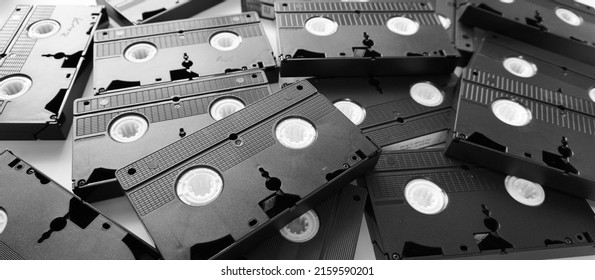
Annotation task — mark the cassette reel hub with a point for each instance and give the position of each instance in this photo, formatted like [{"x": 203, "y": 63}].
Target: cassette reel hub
[
  {"x": 352, "y": 110},
  {"x": 140, "y": 52},
  {"x": 402, "y": 26},
  {"x": 43, "y": 29},
  {"x": 14, "y": 86},
  {"x": 302, "y": 229},
  {"x": 445, "y": 21},
  {"x": 225, "y": 41},
  {"x": 199, "y": 186},
  {"x": 128, "y": 128},
  {"x": 295, "y": 133},
  {"x": 224, "y": 107},
  {"x": 569, "y": 17},
  {"x": 3, "y": 220},
  {"x": 525, "y": 192},
  {"x": 520, "y": 67},
  {"x": 321, "y": 26},
  {"x": 425, "y": 196},
  {"x": 426, "y": 94},
  {"x": 511, "y": 112}
]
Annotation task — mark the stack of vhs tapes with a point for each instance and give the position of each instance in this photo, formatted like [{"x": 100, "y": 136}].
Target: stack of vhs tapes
[{"x": 457, "y": 129}]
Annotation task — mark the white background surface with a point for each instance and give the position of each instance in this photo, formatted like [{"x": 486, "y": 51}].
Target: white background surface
[{"x": 54, "y": 158}]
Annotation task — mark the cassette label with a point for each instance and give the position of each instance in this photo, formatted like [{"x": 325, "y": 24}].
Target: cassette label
[
  {"x": 36, "y": 102},
  {"x": 127, "y": 12},
  {"x": 180, "y": 50},
  {"x": 540, "y": 117},
  {"x": 561, "y": 26},
  {"x": 352, "y": 39},
  {"x": 425, "y": 205},
  {"x": 115, "y": 129},
  {"x": 249, "y": 161},
  {"x": 44, "y": 221}
]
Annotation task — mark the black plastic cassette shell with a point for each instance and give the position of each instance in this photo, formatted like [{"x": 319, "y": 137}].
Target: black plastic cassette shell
[
  {"x": 52, "y": 118},
  {"x": 556, "y": 114},
  {"x": 33, "y": 202},
  {"x": 340, "y": 218},
  {"x": 392, "y": 222},
  {"x": 178, "y": 10},
  {"x": 432, "y": 54},
  {"x": 173, "y": 40},
  {"x": 94, "y": 149},
  {"x": 153, "y": 174},
  {"x": 511, "y": 20},
  {"x": 392, "y": 116}
]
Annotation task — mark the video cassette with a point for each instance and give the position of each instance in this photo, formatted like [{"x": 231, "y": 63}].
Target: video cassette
[
  {"x": 180, "y": 50},
  {"x": 424, "y": 205},
  {"x": 329, "y": 231},
  {"x": 121, "y": 127},
  {"x": 530, "y": 113},
  {"x": 36, "y": 102},
  {"x": 234, "y": 182},
  {"x": 41, "y": 220},
  {"x": 561, "y": 26},
  {"x": 400, "y": 112},
  {"x": 329, "y": 38},
  {"x": 128, "y": 12}
]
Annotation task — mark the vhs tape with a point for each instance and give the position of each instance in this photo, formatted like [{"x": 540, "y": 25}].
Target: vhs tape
[
  {"x": 405, "y": 112},
  {"x": 180, "y": 50},
  {"x": 327, "y": 232},
  {"x": 424, "y": 205},
  {"x": 238, "y": 179},
  {"x": 36, "y": 102},
  {"x": 128, "y": 12},
  {"x": 328, "y": 38},
  {"x": 41, "y": 220},
  {"x": 530, "y": 113},
  {"x": 561, "y": 26},
  {"x": 113, "y": 130}
]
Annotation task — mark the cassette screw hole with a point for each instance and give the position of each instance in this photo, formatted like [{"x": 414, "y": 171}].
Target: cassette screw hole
[
  {"x": 345, "y": 165},
  {"x": 396, "y": 256},
  {"x": 19, "y": 167},
  {"x": 300, "y": 87},
  {"x": 400, "y": 120},
  {"x": 579, "y": 237},
  {"x": 564, "y": 150},
  {"x": 176, "y": 99},
  {"x": 252, "y": 222},
  {"x": 254, "y": 76},
  {"x": 284, "y": 5},
  {"x": 529, "y": 155},
  {"x": 105, "y": 226},
  {"x": 131, "y": 171},
  {"x": 354, "y": 158},
  {"x": 182, "y": 132},
  {"x": 238, "y": 142},
  {"x": 86, "y": 103},
  {"x": 81, "y": 183},
  {"x": 463, "y": 248},
  {"x": 357, "y": 198},
  {"x": 233, "y": 137},
  {"x": 568, "y": 241},
  {"x": 248, "y": 16},
  {"x": 30, "y": 171},
  {"x": 342, "y": 54}
]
